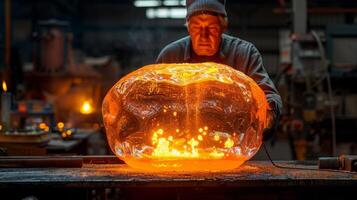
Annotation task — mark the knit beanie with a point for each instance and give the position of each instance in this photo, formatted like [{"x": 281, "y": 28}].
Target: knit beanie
[{"x": 202, "y": 6}]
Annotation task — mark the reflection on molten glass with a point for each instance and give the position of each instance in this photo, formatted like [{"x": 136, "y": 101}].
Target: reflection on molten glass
[{"x": 202, "y": 116}]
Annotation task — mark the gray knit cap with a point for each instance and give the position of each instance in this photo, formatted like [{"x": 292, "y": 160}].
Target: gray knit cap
[{"x": 196, "y": 6}]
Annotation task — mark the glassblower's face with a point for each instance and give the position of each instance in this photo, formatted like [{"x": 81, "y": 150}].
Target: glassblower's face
[{"x": 205, "y": 31}]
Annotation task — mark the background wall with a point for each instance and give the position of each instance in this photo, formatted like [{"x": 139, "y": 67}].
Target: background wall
[{"x": 104, "y": 27}]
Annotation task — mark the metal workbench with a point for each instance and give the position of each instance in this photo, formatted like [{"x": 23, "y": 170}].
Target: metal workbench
[{"x": 255, "y": 179}]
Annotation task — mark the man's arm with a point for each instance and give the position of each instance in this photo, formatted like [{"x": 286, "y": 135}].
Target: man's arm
[
  {"x": 256, "y": 71},
  {"x": 160, "y": 57},
  {"x": 167, "y": 55},
  {"x": 173, "y": 52}
]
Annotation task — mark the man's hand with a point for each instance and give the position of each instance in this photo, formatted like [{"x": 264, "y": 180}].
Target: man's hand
[{"x": 270, "y": 119}]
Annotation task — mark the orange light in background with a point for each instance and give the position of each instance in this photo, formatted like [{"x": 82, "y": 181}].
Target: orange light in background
[
  {"x": 86, "y": 108},
  {"x": 42, "y": 126},
  {"x": 47, "y": 129},
  {"x": 69, "y": 132},
  {"x": 21, "y": 107},
  {"x": 60, "y": 125},
  {"x": 4, "y": 86}
]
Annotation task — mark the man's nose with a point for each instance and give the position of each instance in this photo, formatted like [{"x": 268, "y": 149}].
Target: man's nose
[{"x": 204, "y": 32}]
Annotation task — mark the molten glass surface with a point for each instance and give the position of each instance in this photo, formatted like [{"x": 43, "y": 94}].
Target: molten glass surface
[{"x": 201, "y": 116}]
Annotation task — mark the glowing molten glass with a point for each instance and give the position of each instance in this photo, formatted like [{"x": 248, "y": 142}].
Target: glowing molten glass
[{"x": 202, "y": 116}]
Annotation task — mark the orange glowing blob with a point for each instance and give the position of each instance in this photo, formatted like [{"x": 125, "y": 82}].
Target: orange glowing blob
[
  {"x": 60, "y": 125},
  {"x": 42, "y": 125},
  {"x": 4, "y": 86},
  {"x": 169, "y": 117},
  {"x": 86, "y": 108}
]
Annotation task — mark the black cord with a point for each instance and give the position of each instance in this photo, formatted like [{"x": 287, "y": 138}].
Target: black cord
[
  {"x": 301, "y": 168},
  {"x": 279, "y": 166}
]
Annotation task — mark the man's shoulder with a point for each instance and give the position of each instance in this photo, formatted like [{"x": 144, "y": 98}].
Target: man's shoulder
[
  {"x": 178, "y": 44},
  {"x": 174, "y": 51},
  {"x": 239, "y": 52},
  {"x": 238, "y": 43}
]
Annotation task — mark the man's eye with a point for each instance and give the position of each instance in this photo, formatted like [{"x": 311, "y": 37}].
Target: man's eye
[
  {"x": 213, "y": 30},
  {"x": 195, "y": 29}
]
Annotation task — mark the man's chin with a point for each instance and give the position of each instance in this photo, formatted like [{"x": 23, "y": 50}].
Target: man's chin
[{"x": 205, "y": 52}]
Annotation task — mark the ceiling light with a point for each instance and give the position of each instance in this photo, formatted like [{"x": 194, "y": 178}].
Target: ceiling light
[
  {"x": 174, "y": 13},
  {"x": 147, "y": 3}
]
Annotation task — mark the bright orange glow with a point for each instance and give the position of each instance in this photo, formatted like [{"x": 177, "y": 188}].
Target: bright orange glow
[
  {"x": 42, "y": 126},
  {"x": 86, "y": 108},
  {"x": 229, "y": 143},
  {"x": 4, "y": 86},
  {"x": 60, "y": 125},
  {"x": 186, "y": 117},
  {"x": 68, "y": 132},
  {"x": 199, "y": 137}
]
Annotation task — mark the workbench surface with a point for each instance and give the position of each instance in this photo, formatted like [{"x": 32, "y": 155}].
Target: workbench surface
[{"x": 251, "y": 174}]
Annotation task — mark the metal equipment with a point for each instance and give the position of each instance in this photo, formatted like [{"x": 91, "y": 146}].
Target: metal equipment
[{"x": 343, "y": 162}]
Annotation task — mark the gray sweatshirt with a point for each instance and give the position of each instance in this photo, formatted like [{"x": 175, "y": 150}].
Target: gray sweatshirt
[{"x": 234, "y": 52}]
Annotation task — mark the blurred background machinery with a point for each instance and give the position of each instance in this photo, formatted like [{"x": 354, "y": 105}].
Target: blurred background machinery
[
  {"x": 318, "y": 70},
  {"x": 58, "y": 59}
]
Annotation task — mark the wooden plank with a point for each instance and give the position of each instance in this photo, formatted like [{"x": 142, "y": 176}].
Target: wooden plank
[
  {"x": 55, "y": 161},
  {"x": 252, "y": 174}
]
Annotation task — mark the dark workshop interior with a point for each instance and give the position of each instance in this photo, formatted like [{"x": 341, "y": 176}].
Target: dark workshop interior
[{"x": 70, "y": 130}]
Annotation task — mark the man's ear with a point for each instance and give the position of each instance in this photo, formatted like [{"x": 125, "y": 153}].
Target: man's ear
[
  {"x": 224, "y": 23},
  {"x": 187, "y": 26},
  {"x": 224, "y": 26}
]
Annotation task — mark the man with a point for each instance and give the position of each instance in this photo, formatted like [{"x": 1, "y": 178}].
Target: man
[{"x": 206, "y": 21}]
